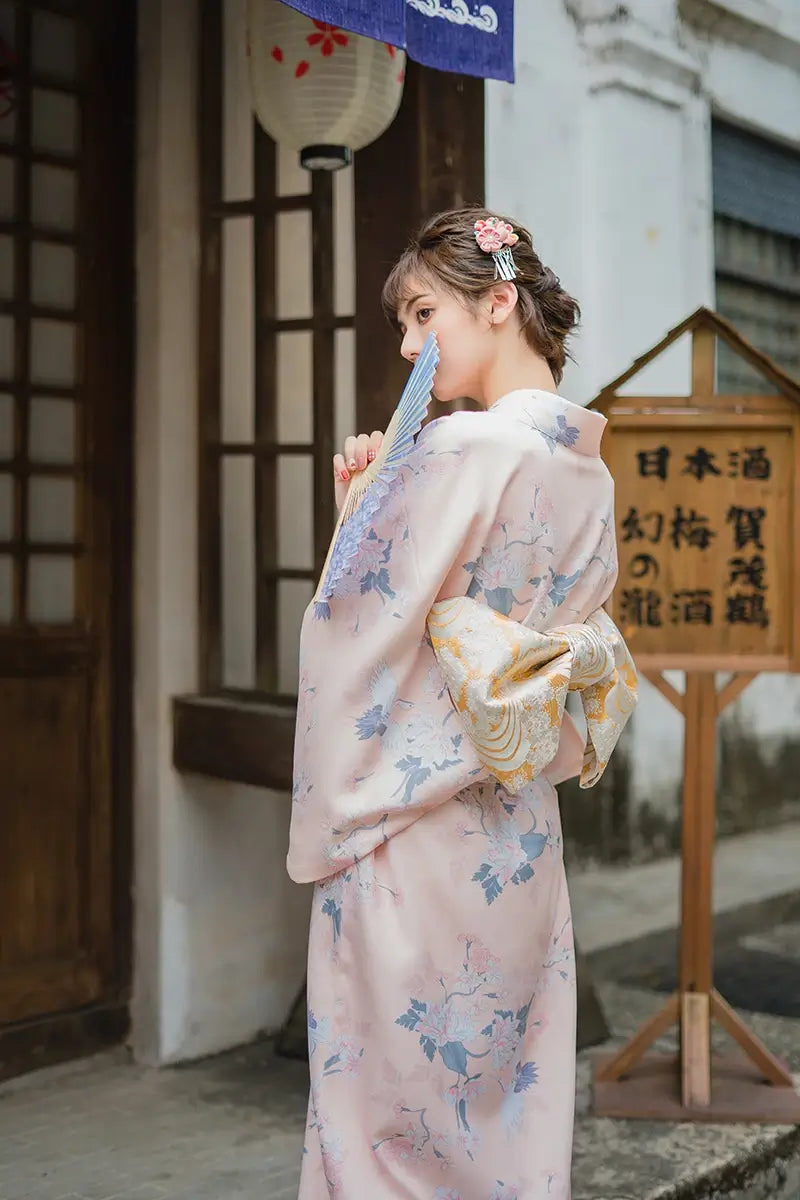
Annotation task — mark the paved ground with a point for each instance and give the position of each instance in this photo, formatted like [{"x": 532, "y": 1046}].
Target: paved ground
[
  {"x": 231, "y": 1128},
  {"x": 613, "y": 905},
  {"x": 643, "y": 1160}
]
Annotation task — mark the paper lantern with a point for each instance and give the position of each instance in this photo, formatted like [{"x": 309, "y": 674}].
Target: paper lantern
[{"x": 317, "y": 88}]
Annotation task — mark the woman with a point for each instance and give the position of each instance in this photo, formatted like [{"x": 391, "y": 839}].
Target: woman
[{"x": 441, "y": 974}]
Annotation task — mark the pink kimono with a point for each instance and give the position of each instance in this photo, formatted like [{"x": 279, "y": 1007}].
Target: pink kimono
[{"x": 431, "y": 729}]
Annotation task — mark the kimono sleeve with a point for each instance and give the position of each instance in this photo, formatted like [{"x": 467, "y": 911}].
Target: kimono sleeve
[{"x": 378, "y": 742}]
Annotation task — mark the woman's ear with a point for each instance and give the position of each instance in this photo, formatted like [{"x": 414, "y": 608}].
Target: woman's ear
[{"x": 503, "y": 299}]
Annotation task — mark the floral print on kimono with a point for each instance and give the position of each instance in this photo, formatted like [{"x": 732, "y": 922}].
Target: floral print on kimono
[
  {"x": 509, "y": 826},
  {"x": 441, "y": 978},
  {"x": 468, "y": 1025},
  {"x": 414, "y": 739},
  {"x": 358, "y": 884}
]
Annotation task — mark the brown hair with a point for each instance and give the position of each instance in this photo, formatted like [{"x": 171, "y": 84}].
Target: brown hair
[{"x": 445, "y": 251}]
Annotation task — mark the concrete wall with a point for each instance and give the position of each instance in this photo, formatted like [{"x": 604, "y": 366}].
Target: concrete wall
[
  {"x": 220, "y": 932},
  {"x": 603, "y": 149}
]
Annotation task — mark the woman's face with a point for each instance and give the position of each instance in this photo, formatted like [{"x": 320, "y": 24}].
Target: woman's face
[{"x": 462, "y": 334}]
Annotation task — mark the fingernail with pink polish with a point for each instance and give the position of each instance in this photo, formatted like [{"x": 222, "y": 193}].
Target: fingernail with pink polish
[
  {"x": 371, "y": 455},
  {"x": 344, "y": 476},
  {"x": 352, "y": 464}
]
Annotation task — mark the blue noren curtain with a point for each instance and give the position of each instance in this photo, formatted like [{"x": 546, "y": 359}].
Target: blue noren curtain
[{"x": 472, "y": 37}]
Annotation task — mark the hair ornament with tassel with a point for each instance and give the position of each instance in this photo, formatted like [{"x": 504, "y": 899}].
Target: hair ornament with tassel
[{"x": 497, "y": 237}]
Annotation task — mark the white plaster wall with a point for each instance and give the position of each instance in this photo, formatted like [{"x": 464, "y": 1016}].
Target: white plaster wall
[
  {"x": 535, "y": 135},
  {"x": 602, "y": 147},
  {"x": 234, "y": 926},
  {"x": 220, "y": 932}
]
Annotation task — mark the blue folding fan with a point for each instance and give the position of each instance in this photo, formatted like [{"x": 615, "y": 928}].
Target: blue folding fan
[{"x": 370, "y": 486}]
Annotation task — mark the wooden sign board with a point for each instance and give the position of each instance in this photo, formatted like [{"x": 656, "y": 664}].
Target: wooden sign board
[
  {"x": 703, "y": 515},
  {"x": 708, "y": 531},
  {"x": 708, "y": 518}
]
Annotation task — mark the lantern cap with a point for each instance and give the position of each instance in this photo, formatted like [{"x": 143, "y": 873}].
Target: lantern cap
[{"x": 324, "y": 157}]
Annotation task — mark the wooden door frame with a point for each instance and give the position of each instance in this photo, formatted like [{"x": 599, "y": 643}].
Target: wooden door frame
[
  {"x": 119, "y": 287},
  {"x": 110, "y": 141}
]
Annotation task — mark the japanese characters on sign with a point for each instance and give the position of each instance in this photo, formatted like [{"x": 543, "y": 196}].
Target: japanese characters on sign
[{"x": 702, "y": 516}]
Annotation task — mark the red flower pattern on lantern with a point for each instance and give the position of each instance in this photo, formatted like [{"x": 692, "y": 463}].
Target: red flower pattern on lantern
[
  {"x": 328, "y": 37},
  {"x": 393, "y": 54}
]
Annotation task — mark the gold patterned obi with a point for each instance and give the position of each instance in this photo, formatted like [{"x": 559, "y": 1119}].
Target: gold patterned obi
[{"x": 510, "y": 684}]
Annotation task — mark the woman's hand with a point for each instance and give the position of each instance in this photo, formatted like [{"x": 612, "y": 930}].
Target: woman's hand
[{"x": 358, "y": 453}]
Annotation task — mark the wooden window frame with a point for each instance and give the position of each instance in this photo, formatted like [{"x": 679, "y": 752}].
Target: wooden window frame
[
  {"x": 20, "y": 308},
  {"x": 238, "y": 734},
  {"x": 265, "y": 450},
  {"x": 242, "y": 735}
]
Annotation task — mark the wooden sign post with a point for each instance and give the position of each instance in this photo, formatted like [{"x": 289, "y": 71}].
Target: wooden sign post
[{"x": 708, "y": 529}]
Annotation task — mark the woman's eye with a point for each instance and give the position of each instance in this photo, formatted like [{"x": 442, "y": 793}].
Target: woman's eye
[{"x": 423, "y": 314}]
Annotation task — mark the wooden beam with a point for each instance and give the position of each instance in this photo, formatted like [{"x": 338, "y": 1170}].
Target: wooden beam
[
  {"x": 738, "y": 1093},
  {"x": 703, "y": 363},
  {"x": 713, "y": 662},
  {"x": 209, "y": 582},
  {"x": 705, "y": 319},
  {"x": 733, "y": 689},
  {"x": 630, "y": 1054},
  {"x": 698, "y": 832},
  {"x": 430, "y": 158},
  {"x": 771, "y": 1067},
  {"x": 62, "y": 1037},
  {"x": 662, "y": 685},
  {"x": 695, "y": 1050},
  {"x": 22, "y": 328},
  {"x": 649, "y": 1086},
  {"x": 265, "y": 469},
  {"x": 240, "y": 740},
  {"x": 785, "y": 383},
  {"x": 608, "y": 394},
  {"x": 324, "y": 365}
]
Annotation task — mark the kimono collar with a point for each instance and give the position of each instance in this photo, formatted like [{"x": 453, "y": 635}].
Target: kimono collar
[{"x": 557, "y": 419}]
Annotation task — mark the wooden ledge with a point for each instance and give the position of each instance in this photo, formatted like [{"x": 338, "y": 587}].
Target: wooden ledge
[{"x": 235, "y": 736}]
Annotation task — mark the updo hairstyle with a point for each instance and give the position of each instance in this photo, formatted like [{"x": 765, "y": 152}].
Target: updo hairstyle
[{"x": 445, "y": 252}]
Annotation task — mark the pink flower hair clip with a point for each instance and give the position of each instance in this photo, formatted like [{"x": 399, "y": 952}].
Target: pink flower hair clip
[{"x": 496, "y": 237}]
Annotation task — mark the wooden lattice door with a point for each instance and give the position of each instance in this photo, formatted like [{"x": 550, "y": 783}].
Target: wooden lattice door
[{"x": 65, "y": 304}]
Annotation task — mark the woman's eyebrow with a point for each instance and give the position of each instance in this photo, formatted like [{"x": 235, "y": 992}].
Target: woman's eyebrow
[{"x": 410, "y": 303}]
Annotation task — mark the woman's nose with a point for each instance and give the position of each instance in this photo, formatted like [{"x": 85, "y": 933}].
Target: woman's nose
[{"x": 409, "y": 348}]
